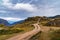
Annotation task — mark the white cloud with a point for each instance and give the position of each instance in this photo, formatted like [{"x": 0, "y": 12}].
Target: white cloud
[
  {"x": 18, "y": 6},
  {"x": 45, "y": 11},
  {"x": 25, "y": 6},
  {"x": 7, "y": 3},
  {"x": 11, "y": 18}
]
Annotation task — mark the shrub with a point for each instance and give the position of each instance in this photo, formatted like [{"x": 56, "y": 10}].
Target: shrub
[{"x": 4, "y": 32}]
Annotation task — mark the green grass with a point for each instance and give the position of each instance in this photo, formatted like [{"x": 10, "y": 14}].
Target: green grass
[
  {"x": 7, "y": 32},
  {"x": 55, "y": 35}
]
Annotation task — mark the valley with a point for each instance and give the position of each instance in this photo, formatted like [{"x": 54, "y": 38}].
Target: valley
[{"x": 44, "y": 29}]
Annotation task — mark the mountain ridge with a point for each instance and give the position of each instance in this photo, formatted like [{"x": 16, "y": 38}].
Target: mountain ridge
[{"x": 5, "y": 22}]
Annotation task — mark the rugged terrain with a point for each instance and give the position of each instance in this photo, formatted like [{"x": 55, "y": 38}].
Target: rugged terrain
[{"x": 50, "y": 27}]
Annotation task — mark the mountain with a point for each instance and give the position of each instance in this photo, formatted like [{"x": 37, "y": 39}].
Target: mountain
[
  {"x": 33, "y": 20},
  {"x": 46, "y": 21},
  {"x": 6, "y": 23},
  {"x": 11, "y": 22},
  {"x": 2, "y": 21},
  {"x": 54, "y": 21},
  {"x": 17, "y": 22},
  {"x": 25, "y": 26},
  {"x": 57, "y": 16}
]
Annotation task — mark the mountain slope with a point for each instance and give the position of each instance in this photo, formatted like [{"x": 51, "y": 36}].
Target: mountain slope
[
  {"x": 6, "y": 23},
  {"x": 18, "y": 22},
  {"x": 55, "y": 21},
  {"x": 57, "y": 16},
  {"x": 2, "y": 21}
]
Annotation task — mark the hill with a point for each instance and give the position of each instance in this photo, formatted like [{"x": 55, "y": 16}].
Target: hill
[
  {"x": 57, "y": 16},
  {"x": 16, "y": 28},
  {"x": 18, "y": 22},
  {"x": 47, "y": 21},
  {"x": 55, "y": 21},
  {"x": 26, "y": 25},
  {"x": 6, "y": 23},
  {"x": 2, "y": 21}
]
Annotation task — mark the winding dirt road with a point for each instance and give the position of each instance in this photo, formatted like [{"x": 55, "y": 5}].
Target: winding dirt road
[{"x": 27, "y": 35}]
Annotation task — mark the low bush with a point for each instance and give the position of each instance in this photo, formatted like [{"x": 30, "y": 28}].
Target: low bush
[{"x": 5, "y": 32}]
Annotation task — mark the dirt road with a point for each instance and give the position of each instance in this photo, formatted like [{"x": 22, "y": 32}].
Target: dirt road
[{"x": 27, "y": 35}]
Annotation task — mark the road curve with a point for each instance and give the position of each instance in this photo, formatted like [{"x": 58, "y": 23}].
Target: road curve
[{"x": 27, "y": 35}]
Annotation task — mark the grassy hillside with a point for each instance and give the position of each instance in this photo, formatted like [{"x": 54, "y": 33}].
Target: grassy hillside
[
  {"x": 46, "y": 22},
  {"x": 7, "y": 32},
  {"x": 55, "y": 22},
  {"x": 47, "y": 32}
]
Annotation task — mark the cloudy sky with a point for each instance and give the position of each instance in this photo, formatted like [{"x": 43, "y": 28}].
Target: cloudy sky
[{"x": 21, "y": 9}]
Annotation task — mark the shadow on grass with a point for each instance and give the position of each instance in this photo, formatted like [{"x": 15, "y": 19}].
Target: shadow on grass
[{"x": 35, "y": 36}]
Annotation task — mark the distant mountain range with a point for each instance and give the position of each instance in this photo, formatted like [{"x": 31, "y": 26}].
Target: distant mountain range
[
  {"x": 5, "y": 22},
  {"x": 57, "y": 16},
  {"x": 18, "y": 22},
  {"x": 2, "y": 21}
]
